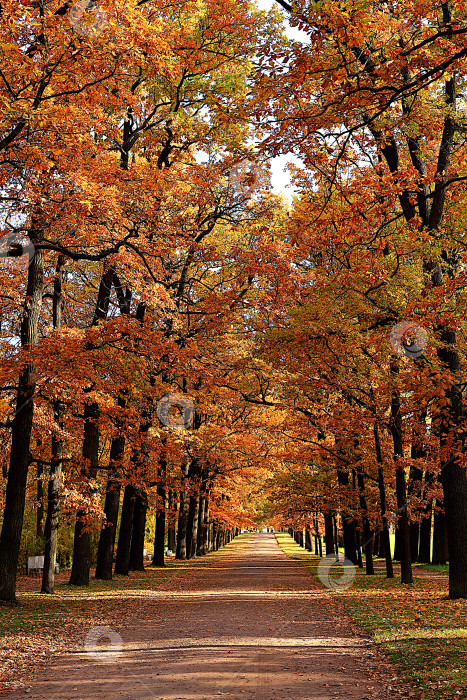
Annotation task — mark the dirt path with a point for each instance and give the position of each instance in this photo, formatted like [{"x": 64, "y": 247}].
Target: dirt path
[{"x": 254, "y": 626}]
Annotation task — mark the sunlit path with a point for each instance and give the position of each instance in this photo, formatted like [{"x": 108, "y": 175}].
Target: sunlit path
[{"x": 253, "y": 626}]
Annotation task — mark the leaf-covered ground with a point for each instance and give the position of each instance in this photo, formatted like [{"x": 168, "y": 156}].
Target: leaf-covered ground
[{"x": 423, "y": 631}]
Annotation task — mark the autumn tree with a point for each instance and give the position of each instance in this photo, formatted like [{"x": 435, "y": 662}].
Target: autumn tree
[
  {"x": 377, "y": 84},
  {"x": 126, "y": 103}
]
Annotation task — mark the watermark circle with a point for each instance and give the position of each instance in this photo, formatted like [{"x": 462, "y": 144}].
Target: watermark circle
[
  {"x": 12, "y": 249},
  {"x": 186, "y": 407},
  {"x": 101, "y": 653},
  {"x": 87, "y": 17},
  {"x": 409, "y": 339},
  {"x": 329, "y": 580}
]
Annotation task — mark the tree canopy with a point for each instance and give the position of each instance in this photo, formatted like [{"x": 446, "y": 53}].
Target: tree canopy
[{"x": 310, "y": 354}]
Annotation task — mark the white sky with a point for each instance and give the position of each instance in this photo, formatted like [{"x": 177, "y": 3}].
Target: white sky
[
  {"x": 291, "y": 32},
  {"x": 280, "y": 179}
]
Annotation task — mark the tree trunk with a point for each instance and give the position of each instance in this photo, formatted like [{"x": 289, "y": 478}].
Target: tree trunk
[
  {"x": 82, "y": 543},
  {"x": 414, "y": 489},
  {"x": 181, "y": 552},
  {"x": 13, "y": 513},
  {"x": 53, "y": 497},
  {"x": 159, "y": 535},
  {"x": 439, "y": 535},
  {"x": 367, "y": 533},
  {"x": 328, "y": 533},
  {"x": 171, "y": 539},
  {"x": 105, "y": 551},
  {"x": 384, "y": 534},
  {"x": 52, "y": 520},
  {"x": 40, "y": 502},
  {"x": 138, "y": 532},
  {"x": 453, "y": 476},
  {"x": 336, "y": 537},
  {"x": 397, "y": 545},
  {"x": 53, "y": 505},
  {"x": 415, "y": 486},
  {"x": 382, "y": 546},
  {"x": 376, "y": 542},
  {"x": 414, "y": 534},
  {"x": 201, "y": 526},
  {"x": 348, "y": 526},
  {"x": 318, "y": 537},
  {"x": 401, "y": 495},
  {"x": 81, "y": 553},
  {"x": 424, "y": 552},
  {"x": 192, "y": 527},
  {"x": 106, "y": 548},
  {"x": 454, "y": 481},
  {"x": 207, "y": 527},
  {"x": 406, "y": 564},
  {"x": 210, "y": 537},
  {"x": 359, "y": 549},
  {"x": 140, "y": 460},
  {"x": 308, "y": 545},
  {"x": 122, "y": 561}
]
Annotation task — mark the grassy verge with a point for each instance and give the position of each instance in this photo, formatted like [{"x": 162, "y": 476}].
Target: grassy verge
[{"x": 423, "y": 631}]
